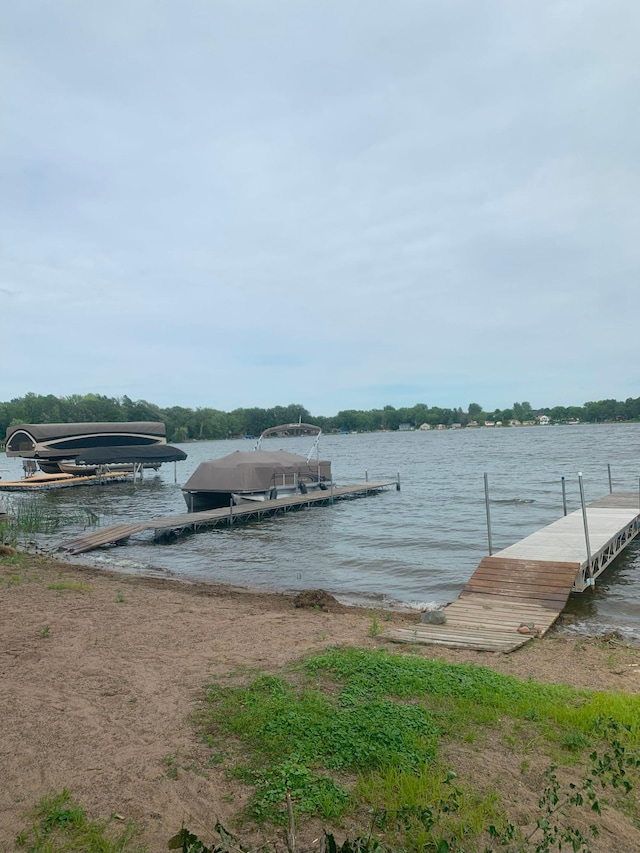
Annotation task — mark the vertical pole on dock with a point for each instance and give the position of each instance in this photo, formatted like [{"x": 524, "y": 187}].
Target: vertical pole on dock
[
  {"x": 610, "y": 486},
  {"x": 486, "y": 501},
  {"x": 230, "y": 511},
  {"x": 331, "y": 495},
  {"x": 398, "y": 482},
  {"x": 564, "y": 496},
  {"x": 366, "y": 476},
  {"x": 175, "y": 471},
  {"x": 591, "y": 580}
]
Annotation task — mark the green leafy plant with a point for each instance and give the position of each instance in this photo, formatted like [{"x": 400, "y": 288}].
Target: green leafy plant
[{"x": 358, "y": 731}]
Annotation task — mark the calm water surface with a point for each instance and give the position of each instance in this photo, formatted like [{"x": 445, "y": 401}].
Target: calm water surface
[{"x": 415, "y": 547}]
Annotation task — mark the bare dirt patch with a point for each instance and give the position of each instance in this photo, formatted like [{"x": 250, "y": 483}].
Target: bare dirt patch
[{"x": 101, "y": 672}]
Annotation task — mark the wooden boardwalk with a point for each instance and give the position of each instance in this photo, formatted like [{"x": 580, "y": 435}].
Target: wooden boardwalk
[
  {"x": 169, "y": 528},
  {"x": 529, "y": 583}
]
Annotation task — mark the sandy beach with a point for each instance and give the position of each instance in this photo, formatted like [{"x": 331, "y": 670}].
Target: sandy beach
[{"x": 101, "y": 673}]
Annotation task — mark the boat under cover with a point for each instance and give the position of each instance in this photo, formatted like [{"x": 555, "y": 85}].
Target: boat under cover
[{"x": 253, "y": 475}]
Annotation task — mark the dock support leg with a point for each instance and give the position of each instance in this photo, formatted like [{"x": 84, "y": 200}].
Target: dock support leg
[
  {"x": 564, "y": 496},
  {"x": 398, "y": 482},
  {"x": 591, "y": 580},
  {"x": 486, "y": 502}
]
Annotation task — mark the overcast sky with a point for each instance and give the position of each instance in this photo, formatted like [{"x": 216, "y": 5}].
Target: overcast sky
[{"x": 342, "y": 204}]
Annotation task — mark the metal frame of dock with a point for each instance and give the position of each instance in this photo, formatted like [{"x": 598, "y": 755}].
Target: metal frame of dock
[
  {"x": 527, "y": 585},
  {"x": 170, "y": 528}
]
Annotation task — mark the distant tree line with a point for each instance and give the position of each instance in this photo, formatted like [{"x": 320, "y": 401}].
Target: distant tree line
[{"x": 206, "y": 423}]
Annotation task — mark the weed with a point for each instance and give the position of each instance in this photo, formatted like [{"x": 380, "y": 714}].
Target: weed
[
  {"x": 171, "y": 762},
  {"x": 70, "y": 586},
  {"x": 120, "y": 597},
  {"x": 45, "y": 633},
  {"x": 32, "y": 515},
  {"x": 574, "y": 741},
  {"x": 60, "y": 824},
  {"x": 374, "y": 629}
]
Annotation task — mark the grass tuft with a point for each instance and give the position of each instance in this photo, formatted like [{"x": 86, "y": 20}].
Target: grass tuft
[{"x": 60, "y": 825}]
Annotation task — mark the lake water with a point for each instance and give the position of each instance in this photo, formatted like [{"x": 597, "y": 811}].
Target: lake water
[{"x": 415, "y": 547}]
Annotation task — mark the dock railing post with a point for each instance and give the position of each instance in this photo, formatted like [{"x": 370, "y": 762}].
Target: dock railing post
[
  {"x": 230, "y": 511},
  {"x": 591, "y": 580},
  {"x": 486, "y": 501},
  {"x": 564, "y": 496},
  {"x": 366, "y": 476},
  {"x": 610, "y": 486}
]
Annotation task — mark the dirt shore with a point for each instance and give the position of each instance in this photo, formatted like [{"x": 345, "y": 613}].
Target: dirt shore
[{"x": 100, "y": 673}]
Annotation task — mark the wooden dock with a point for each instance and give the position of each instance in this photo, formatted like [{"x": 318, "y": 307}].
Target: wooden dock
[
  {"x": 169, "y": 528},
  {"x": 44, "y": 482},
  {"x": 528, "y": 583}
]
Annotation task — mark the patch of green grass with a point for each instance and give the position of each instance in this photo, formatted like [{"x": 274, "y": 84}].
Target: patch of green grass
[
  {"x": 417, "y": 811},
  {"x": 45, "y": 633},
  {"x": 296, "y": 735},
  {"x": 18, "y": 560},
  {"x": 171, "y": 763},
  {"x": 357, "y": 731},
  {"x": 70, "y": 586},
  {"x": 60, "y": 825}
]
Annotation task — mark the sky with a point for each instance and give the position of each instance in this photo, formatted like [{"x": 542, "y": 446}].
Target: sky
[{"x": 353, "y": 204}]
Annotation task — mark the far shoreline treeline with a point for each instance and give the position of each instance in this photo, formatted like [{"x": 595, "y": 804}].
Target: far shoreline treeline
[{"x": 185, "y": 424}]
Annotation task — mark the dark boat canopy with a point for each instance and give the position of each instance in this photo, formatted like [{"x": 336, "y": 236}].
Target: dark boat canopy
[
  {"x": 64, "y": 441},
  {"x": 253, "y": 470},
  {"x": 134, "y": 453}
]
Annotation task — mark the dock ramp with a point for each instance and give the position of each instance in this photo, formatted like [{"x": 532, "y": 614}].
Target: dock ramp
[{"x": 528, "y": 583}]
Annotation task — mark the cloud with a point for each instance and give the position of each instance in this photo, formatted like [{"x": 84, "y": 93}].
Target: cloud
[{"x": 310, "y": 204}]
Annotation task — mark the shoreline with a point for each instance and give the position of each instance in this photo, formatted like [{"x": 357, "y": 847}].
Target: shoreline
[{"x": 102, "y": 672}]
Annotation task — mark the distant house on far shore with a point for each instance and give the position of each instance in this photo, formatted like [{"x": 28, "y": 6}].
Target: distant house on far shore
[
  {"x": 544, "y": 420},
  {"x": 405, "y": 427},
  {"x": 425, "y": 426}
]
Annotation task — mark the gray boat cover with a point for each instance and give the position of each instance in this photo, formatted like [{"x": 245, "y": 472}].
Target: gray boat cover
[
  {"x": 43, "y": 432},
  {"x": 132, "y": 453},
  {"x": 253, "y": 471}
]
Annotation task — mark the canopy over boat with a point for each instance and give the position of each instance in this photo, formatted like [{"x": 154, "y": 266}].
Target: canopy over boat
[
  {"x": 254, "y": 470},
  {"x": 64, "y": 441}
]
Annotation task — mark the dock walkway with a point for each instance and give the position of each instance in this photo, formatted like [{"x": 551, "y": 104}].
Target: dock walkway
[
  {"x": 529, "y": 583},
  {"x": 169, "y": 528},
  {"x": 44, "y": 482}
]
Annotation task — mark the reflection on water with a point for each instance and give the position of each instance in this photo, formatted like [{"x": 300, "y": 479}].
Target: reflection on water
[{"x": 416, "y": 546}]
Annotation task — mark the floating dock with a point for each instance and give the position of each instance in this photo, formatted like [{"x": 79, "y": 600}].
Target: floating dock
[
  {"x": 528, "y": 583},
  {"x": 170, "y": 528}
]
